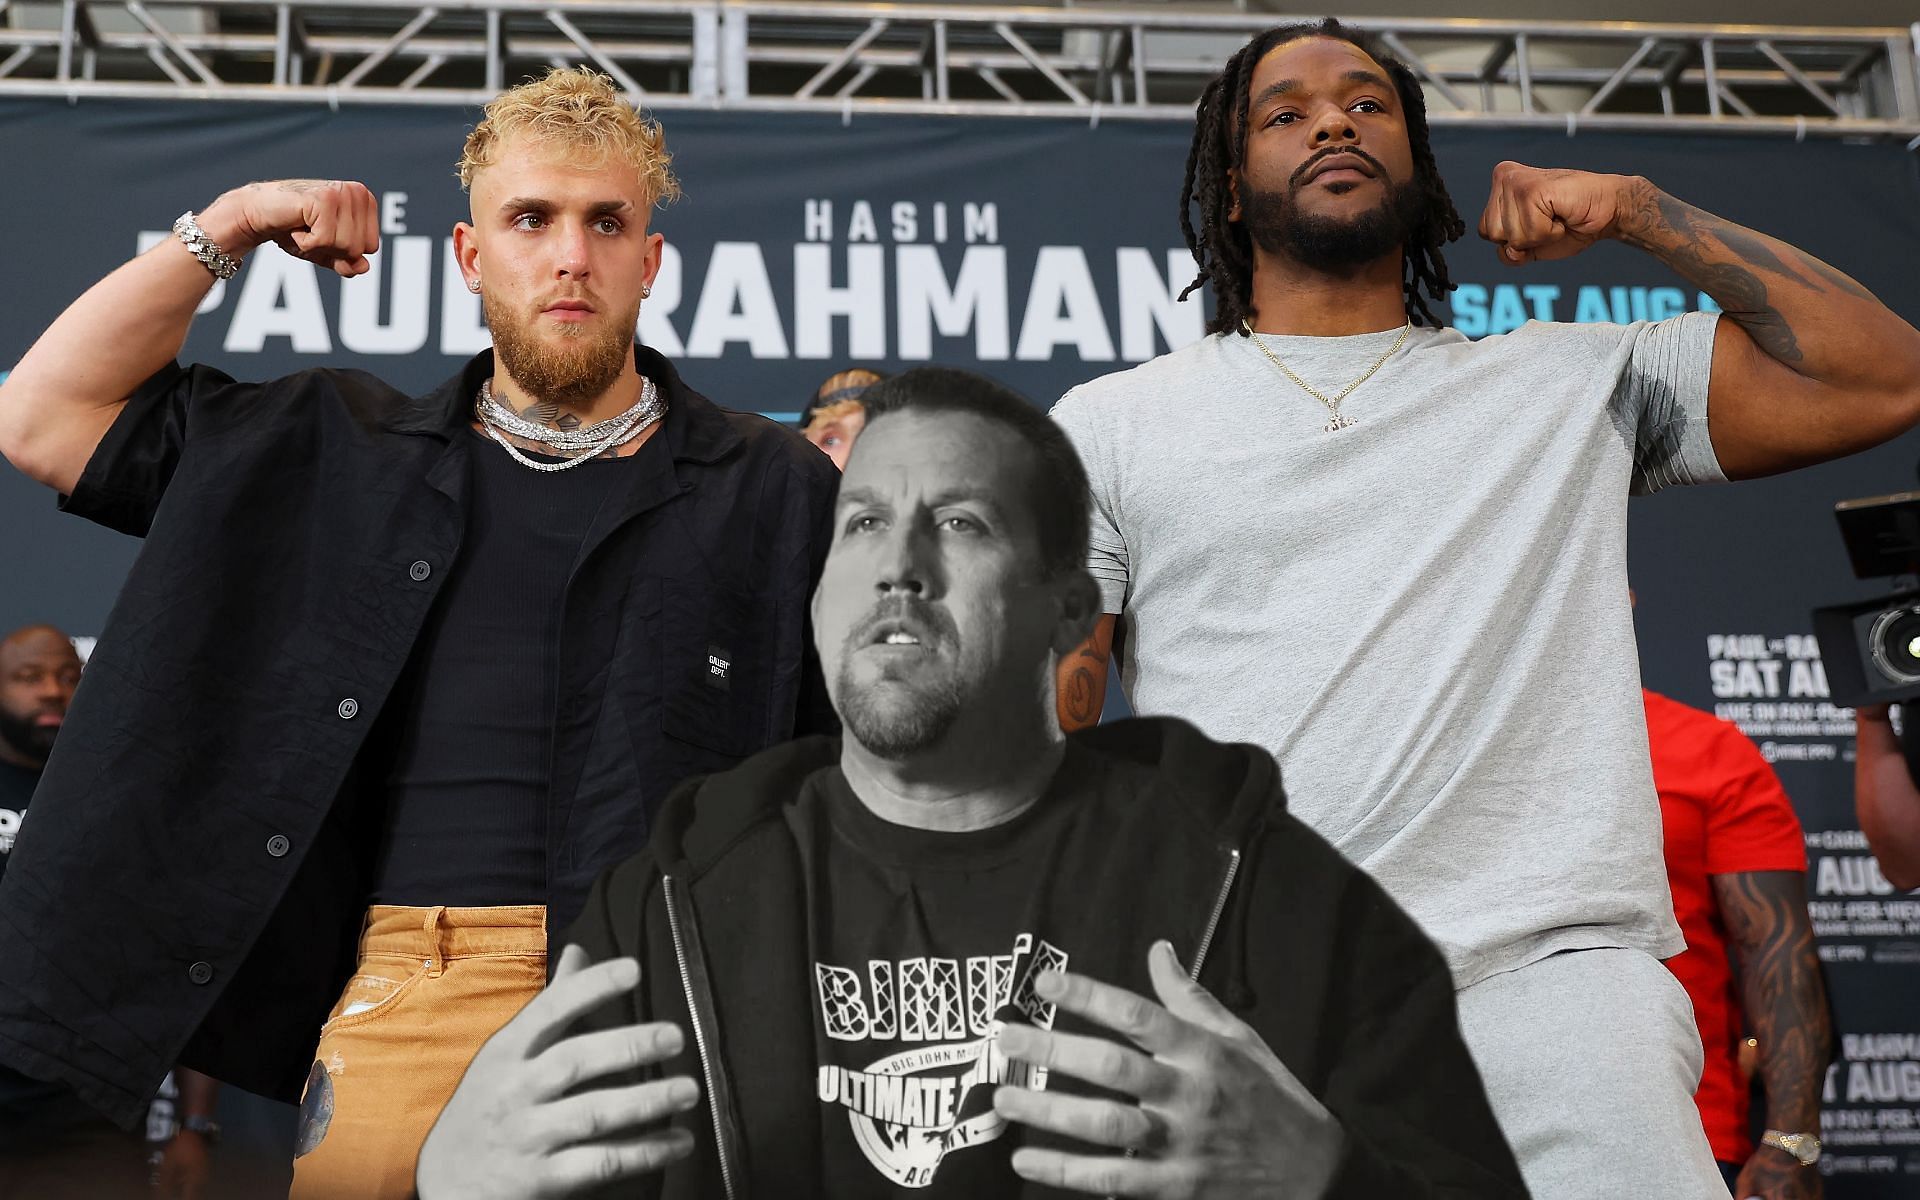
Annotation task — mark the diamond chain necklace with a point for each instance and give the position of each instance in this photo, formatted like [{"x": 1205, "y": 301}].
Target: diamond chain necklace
[
  {"x": 575, "y": 445},
  {"x": 1336, "y": 422}
]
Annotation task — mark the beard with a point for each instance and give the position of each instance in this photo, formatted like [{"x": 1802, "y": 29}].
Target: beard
[
  {"x": 26, "y": 738},
  {"x": 1333, "y": 245},
  {"x": 581, "y": 368},
  {"x": 895, "y": 720},
  {"x": 909, "y": 708}
]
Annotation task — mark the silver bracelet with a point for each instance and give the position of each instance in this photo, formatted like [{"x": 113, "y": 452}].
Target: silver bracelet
[{"x": 208, "y": 251}]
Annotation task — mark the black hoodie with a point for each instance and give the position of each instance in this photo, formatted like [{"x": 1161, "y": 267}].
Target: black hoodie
[{"x": 1302, "y": 945}]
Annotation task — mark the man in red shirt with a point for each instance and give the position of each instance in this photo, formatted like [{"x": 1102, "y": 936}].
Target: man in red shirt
[{"x": 1737, "y": 863}]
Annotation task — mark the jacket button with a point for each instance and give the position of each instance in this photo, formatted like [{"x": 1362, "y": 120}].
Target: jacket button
[
  {"x": 420, "y": 570},
  {"x": 349, "y": 708},
  {"x": 278, "y": 846},
  {"x": 200, "y": 972}
]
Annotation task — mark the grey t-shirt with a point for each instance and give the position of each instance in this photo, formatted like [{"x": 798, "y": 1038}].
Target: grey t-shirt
[{"x": 1423, "y": 616}]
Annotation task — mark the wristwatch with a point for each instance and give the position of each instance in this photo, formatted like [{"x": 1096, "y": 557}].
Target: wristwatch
[
  {"x": 1803, "y": 1146},
  {"x": 206, "y": 1127}
]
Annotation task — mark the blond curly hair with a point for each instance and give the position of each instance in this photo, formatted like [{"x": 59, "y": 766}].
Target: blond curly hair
[{"x": 580, "y": 111}]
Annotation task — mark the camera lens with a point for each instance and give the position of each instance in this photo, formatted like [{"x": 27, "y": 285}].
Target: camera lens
[{"x": 1895, "y": 643}]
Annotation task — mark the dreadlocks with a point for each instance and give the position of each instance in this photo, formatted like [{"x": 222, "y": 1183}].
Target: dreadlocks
[{"x": 1222, "y": 247}]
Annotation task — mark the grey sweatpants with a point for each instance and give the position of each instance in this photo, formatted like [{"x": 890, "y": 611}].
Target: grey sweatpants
[{"x": 1591, "y": 1059}]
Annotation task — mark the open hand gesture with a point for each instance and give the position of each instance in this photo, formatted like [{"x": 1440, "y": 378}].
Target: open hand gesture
[
  {"x": 1537, "y": 214},
  {"x": 516, "y": 1128},
  {"x": 1211, "y": 1111}
]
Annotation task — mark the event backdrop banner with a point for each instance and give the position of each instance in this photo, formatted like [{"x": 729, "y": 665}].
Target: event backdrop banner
[{"x": 1044, "y": 253}]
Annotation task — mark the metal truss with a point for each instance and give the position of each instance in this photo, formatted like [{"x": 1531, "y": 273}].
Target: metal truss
[{"x": 1098, "y": 62}]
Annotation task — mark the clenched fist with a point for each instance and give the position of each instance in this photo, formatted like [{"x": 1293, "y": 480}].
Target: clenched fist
[
  {"x": 1536, "y": 213},
  {"x": 329, "y": 222}
]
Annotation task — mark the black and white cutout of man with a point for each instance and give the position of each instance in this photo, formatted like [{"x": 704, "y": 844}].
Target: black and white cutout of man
[{"x": 955, "y": 953}]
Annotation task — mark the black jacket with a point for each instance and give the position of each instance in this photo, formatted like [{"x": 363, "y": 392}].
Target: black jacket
[
  {"x": 1302, "y": 945},
  {"x": 193, "y": 866}
]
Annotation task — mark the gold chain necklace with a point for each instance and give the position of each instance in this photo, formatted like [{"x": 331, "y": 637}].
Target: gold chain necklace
[{"x": 1337, "y": 422}]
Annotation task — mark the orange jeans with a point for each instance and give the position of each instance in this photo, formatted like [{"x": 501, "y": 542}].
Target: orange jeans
[{"x": 432, "y": 986}]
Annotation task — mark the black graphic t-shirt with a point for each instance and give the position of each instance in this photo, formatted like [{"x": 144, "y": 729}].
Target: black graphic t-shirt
[{"x": 923, "y": 943}]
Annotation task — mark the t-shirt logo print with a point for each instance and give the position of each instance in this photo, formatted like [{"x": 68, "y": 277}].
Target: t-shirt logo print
[{"x": 909, "y": 1109}]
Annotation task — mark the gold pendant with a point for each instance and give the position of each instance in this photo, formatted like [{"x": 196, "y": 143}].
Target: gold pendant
[{"x": 1337, "y": 424}]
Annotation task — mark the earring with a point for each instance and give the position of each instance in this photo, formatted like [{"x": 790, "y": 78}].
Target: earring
[
  {"x": 646, "y": 290},
  {"x": 473, "y": 285}
]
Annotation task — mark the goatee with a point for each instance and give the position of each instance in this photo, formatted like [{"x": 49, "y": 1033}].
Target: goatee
[
  {"x": 582, "y": 367},
  {"x": 1334, "y": 245},
  {"x": 900, "y": 723}
]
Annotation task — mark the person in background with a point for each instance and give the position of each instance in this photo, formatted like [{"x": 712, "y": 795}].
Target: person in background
[
  {"x": 835, "y": 415},
  {"x": 39, "y": 669},
  {"x": 1884, "y": 793},
  {"x": 52, "y": 1143},
  {"x": 1737, "y": 863},
  {"x": 183, "y": 1132}
]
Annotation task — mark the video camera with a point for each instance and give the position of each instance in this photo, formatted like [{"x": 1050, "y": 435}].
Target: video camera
[{"x": 1871, "y": 648}]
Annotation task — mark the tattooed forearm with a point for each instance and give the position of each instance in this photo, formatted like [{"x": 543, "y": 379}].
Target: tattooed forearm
[
  {"x": 1781, "y": 990},
  {"x": 1081, "y": 679},
  {"x": 1743, "y": 298},
  {"x": 1753, "y": 248},
  {"x": 1807, "y": 365},
  {"x": 1840, "y": 280},
  {"x": 1076, "y": 699},
  {"x": 1727, "y": 262}
]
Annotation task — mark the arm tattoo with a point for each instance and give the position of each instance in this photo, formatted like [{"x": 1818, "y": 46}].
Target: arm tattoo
[
  {"x": 1841, "y": 281},
  {"x": 1081, "y": 681},
  {"x": 1078, "y": 696},
  {"x": 1728, "y": 262},
  {"x": 1781, "y": 988}
]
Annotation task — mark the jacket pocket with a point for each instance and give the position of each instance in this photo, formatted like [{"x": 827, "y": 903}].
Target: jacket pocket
[{"x": 713, "y": 668}]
